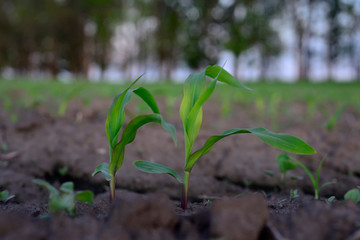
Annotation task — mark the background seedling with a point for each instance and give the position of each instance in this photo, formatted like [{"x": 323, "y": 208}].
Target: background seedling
[
  {"x": 353, "y": 194},
  {"x": 5, "y": 197},
  {"x": 285, "y": 164},
  {"x": 330, "y": 200},
  {"x": 314, "y": 179},
  {"x": 197, "y": 90},
  {"x": 334, "y": 119},
  {"x": 114, "y": 123},
  {"x": 64, "y": 200},
  {"x": 294, "y": 193}
]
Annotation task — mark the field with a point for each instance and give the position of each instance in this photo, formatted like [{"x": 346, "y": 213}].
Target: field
[{"x": 56, "y": 132}]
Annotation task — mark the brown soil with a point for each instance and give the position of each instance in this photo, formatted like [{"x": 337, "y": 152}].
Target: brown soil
[{"x": 231, "y": 197}]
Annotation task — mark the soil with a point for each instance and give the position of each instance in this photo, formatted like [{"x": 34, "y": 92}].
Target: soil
[{"x": 231, "y": 197}]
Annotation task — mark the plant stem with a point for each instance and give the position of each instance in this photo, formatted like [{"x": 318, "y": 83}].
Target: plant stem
[
  {"x": 184, "y": 199},
  {"x": 316, "y": 193},
  {"x": 112, "y": 188}
]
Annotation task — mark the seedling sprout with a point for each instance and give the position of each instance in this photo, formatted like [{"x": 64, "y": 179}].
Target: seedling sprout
[
  {"x": 114, "y": 123},
  {"x": 198, "y": 88},
  {"x": 64, "y": 200},
  {"x": 5, "y": 197},
  {"x": 353, "y": 194}
]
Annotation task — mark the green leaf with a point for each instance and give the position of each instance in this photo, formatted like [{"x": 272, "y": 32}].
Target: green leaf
[
  {"x": 223, "y": 76},
  {"x": 282, "y": 141},
  {"x": 148, "y": 98},
  {"x": 284, "y": 163},
  {"x": 52, "y": 190},
  {"x": 353, "y": 194},
  {"x": 151, "y": 167},
  {"x": 85, "y": 196},
  {"x": 129, "y": 134},
  {"x": 116, "y": 114},
  {"x": 67, "y": 188},
  {"x": 104, "y": 169},
  {"x": 4, "y": 194}
]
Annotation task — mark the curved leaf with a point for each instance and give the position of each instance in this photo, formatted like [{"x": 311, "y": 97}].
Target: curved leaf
[
  {"x": 52, "y": 190},
  {"x": 151, "y": 167},
  {"x": 284, "y": 142},
  {"x": 148, "y": 98},
  {"x": 222, "y": 75},
  {"x": 104, "y": 169},
  {"x": 129, "y": 134},
  {"x": 67, "y": 188},
  {"x": 85, "y": 196}
]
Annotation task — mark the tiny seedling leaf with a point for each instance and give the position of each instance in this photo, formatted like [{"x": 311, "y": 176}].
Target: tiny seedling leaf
[
  {"x": 85, "y": 196},
  {"x": 151, "y": 167},
  {"x": 52, "y": 190},
  {"x": 4, "y": 196},
  {"x": 270, "y": 173},
  {"x": 353, "y": 194},
  {"x": 284, "y": 163},
  {"x": 104, "y": 169},
  {"x": 129, "y": 134},
  {"x": 67, "y": 188}
]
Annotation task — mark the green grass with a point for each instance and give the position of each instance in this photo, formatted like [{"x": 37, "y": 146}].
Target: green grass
[{"x": 32, "y": 92}]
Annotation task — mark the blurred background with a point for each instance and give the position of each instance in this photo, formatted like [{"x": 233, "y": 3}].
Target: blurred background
[{"x": 113, "y": 40}]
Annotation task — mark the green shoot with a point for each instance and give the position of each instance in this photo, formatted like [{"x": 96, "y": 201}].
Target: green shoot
[
  {"x": 334, "y": 119},
  {"x": 314, "y": 179},
  {"x": 294, "y": 193},
  {"x": 64, "y": 200},
  {"x": 4, "y": 196},
  {"x": 198, "y": 88},
  {"x": 353, "y": 194},
  {"x": 114, "y": 124},
  {"x": 285, "y": 164},
  {"x": 330, "y": 200}
]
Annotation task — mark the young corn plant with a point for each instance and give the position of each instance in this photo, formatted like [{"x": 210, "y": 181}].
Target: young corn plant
[
  {"x": 313, "y": 178},
  {"x": 197, "y": 90},
  {"x": 114, "y": 124},
  {"x": 5, "y": 197},
  {"x": 64, "y": 200}
]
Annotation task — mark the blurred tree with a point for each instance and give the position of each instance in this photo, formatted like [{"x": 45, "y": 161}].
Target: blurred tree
[
  {"x": 248, "y": 26},
  {"x": 167, "y": 35},
  {"x": 201, "y": 33}
]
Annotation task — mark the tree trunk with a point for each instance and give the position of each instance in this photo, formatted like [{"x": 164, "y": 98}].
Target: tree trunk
[{"x": 236, "y": 67}]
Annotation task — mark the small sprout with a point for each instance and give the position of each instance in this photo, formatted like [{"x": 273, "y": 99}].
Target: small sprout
[
  {"x": 247, "y": 183},
  {"x": 4, "y": 147},
  {"x": 315, "y": 180},
  {"x": 294, "y": 193},
  {"x": 330, "y": 200},
  {"x": 353, "y": 194},
  {"x": 63, "y": 171},
  {"x": 198, "y": 88},
  {"x": 4, "y": 196},
  {"x": 285, "y": 164},
  {"x": 331, "y": 123},
  {"x": 114, "y": 124},
  {"x": 269, "y": 173},
  {"x": 64, "y": 200}
]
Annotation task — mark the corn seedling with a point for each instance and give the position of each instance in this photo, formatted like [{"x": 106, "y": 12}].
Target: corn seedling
[
  {"x": 64, "y": 200},
  {"x": 334, "y": 119},
  {"x": 330, "y": 200},
  {"x": 114, "y": 123},
  {"x": 5, "y": 197},
  {"x": 353, "y": 194},
  {"x": 294, "y": 193},
  {"x": 314, "y": 179},
  {"x": 285, "y": 164},
  {"x": 197, "y": 90}
]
